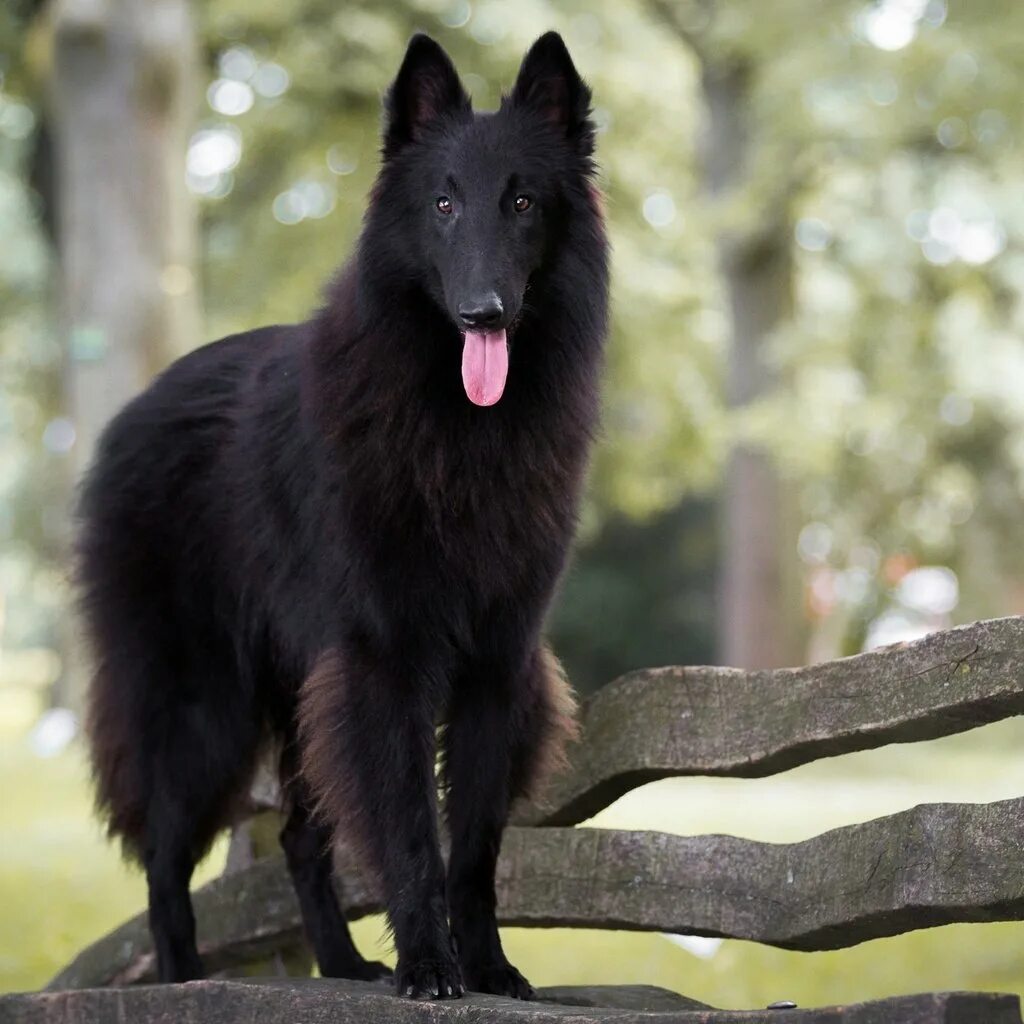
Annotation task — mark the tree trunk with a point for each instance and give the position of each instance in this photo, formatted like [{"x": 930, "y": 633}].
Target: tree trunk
[
  {"x": 122, "y": 103},
  {"x": 757, "y": 596}
]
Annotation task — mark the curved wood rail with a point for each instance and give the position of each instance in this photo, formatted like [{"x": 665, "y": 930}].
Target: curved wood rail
[
  {"x": 665, "y": 722},
  {"x": 935, "y": 864}
]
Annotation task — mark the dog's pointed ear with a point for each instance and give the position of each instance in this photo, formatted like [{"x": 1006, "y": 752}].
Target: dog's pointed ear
[
  {"x": 549, "y": 84},
  {"x": 426, "y": 89}
]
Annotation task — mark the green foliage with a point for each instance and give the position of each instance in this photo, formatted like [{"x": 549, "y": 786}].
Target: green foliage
[
  {"x": 609, "y": 622},
  {"x": 61, "y": 883},
  {"x": 886, "y": 137},
  {"x": 898, "y": 435},
  {"x": 32, "y": 482},
  {"x": 898, "y": 413}
]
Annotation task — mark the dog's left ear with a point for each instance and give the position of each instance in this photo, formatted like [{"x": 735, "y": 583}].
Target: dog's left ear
[
  {"x": 426, "y": 89},
  {"x": 549, "y": 84}
]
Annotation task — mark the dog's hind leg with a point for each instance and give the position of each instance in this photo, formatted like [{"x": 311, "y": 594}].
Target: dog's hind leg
[
  {"x": 200, "y": 775},
  {"x": 169, "y": 860},
  {"x": 196, "y": 793},
  {"x": 173, "y": 753},
  {"x": 307, "y": 847}
]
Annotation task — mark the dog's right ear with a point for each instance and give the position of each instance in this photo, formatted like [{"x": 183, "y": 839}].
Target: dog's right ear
[{"x": 426, "y": 89}]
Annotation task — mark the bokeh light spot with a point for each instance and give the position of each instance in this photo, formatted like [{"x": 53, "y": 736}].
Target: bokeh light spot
[
  {"x": 956, "y": 409},
  {"x": 340, "y": 162},
  {"x": 930, "y": 590},
  {"x": 16, "y": 120},
  {"x": 305, "y": 199},
  {"x": 885, "y": 91},
  {"x": 456, "y": 15},
  {"x": 989, "y": 126},
  {"x": 489, "y": 24},
  {"x": 237, "y": 62},
  {"x": 59, "y": 436},
  {"x": 890, "y": 24},
  {"x": 815, "y": 542},
  {"x": 230, "y": 97},
  {"x": 271, "y": 80},
  {"x": 813, "y": 234},
  {"x": 212, "y": 154},
  {"x": 659, "y": 209},
  {"x": 980, "y": 242},
  {"x": 952, "y": 132}
]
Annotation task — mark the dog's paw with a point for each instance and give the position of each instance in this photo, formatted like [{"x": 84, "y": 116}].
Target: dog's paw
[
  {"x": 500, "y": 979},
  {"x": 429, "y": 979}
]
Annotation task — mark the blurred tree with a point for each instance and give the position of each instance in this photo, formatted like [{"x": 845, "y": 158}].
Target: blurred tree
[
  {"x": 908, "y": 277},
  {"x": 640, "y": 594},
  {"x": 123, "y": 92},
  {"x": 31, "y": 512},
  {"x": 757, "y": 620},
  {"x": 820, "y": 146}
]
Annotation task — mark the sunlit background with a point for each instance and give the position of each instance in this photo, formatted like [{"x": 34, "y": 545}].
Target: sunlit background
[{"x": 814, "y": 405}]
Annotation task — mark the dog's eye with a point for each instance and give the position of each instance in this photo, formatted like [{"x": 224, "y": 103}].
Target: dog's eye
[
  {"x": 443, "y": 204},
  {"x": 523, "y": 203}
]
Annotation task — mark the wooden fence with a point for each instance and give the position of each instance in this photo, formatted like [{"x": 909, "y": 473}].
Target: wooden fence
[{"x": 931, "y": 865}]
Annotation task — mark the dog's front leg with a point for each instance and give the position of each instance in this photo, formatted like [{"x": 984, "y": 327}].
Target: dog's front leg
[
  {"x": 503, "y": 727},
  {"x": 367, "y": 728}
]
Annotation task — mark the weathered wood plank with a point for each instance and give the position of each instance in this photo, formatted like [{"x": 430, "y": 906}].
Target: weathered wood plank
[
  {"x": 666, "y": 722},
  {"x": 935, "y": 864},
  {"x": 333, "y": 1002},
  {"x": 240, "y": 918},
  {"x": 649, "y": 998}
]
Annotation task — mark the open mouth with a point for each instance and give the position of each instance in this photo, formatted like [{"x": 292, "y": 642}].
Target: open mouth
[{"x": 484, "y": 365}]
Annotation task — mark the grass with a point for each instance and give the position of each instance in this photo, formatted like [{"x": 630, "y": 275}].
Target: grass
[{"x": 62, "y": 885}]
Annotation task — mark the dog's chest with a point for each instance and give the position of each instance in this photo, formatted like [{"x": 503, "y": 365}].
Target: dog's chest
[{"x": 485, "y": 514}]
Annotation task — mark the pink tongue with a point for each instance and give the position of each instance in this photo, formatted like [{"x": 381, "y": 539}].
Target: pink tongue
[{"x": 484, "y": 366}]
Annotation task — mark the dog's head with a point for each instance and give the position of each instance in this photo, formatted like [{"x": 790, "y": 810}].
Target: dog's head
[{"x": 475, "y": 200}]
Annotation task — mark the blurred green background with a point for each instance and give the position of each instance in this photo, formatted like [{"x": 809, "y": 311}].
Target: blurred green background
[{"x": 814, "y": 408}]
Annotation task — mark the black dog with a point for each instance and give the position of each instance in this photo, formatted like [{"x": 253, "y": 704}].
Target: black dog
[{"x": 337, "y": 536}]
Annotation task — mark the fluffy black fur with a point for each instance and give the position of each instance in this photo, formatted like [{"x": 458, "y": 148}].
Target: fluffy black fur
[{"x": 308, "y": 534}]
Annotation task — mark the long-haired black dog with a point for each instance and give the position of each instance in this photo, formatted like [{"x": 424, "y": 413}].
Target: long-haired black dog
[{"x": 340, "y": 535}]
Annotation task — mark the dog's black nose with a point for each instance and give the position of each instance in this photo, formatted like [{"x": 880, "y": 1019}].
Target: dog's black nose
[{"x": 484, "y": 311}]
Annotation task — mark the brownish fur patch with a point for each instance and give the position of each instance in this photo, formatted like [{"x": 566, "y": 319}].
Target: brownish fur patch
[
  {"x": 560, "y": 725},
  {"x": 113, "y": 749},
  {"x": 323, "y": 712},
  {"x": 322, "y": 699}
]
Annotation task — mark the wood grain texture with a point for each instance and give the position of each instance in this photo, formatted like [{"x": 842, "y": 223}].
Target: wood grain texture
[
  {"x": 932, "y": 865},
  {"x": 665, "y": 722},
  {"x": 935, "y": 864},
  {"x": 241, "y": 918},
  {"x": 335, "y": 1002}
]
